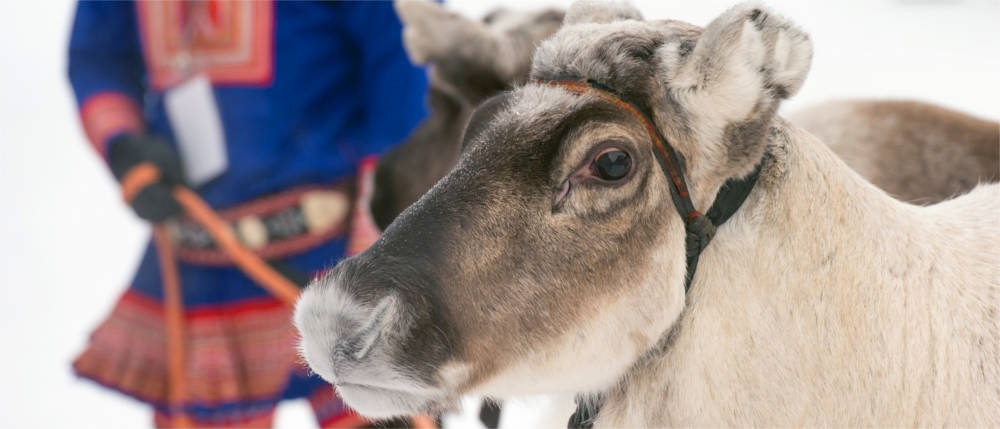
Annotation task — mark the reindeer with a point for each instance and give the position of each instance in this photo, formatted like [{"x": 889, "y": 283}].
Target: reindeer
[
  {"x": 571, "y": 250},
  {"x": 473, "y": 61},
  {"x": 915, "y": 151}
]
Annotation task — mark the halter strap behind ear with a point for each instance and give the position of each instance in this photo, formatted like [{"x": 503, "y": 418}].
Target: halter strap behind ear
[{"x": 699, "y": 229}]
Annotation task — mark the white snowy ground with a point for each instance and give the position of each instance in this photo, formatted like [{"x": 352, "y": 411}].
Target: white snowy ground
[{"x": 68, "y": 245}]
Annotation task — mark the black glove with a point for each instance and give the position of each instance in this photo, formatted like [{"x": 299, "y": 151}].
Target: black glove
[{"x": 153, "y": 202}]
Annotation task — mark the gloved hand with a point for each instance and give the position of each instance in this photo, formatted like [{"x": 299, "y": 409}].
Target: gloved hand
[{"x": 148, "y": 169}]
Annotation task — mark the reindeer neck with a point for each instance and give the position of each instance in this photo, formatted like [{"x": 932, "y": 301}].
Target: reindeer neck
[
  {"x": 806, "y": 234},
  {"x": 807, "y": 210}
]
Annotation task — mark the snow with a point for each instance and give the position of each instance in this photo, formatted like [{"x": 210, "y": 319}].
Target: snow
[{"x": 70, "y": 245}]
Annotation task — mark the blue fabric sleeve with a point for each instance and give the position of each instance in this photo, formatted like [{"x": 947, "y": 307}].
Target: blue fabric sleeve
[
  {"x": 394, "y": 89},
  {"x": 104, "y": 51}
]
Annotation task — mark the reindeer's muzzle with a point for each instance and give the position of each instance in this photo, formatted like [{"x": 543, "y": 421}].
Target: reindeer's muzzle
[{"x": 355, "y": 335}]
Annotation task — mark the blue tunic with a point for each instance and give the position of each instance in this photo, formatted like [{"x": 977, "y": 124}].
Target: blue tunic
[
  {"x": 338, "y": 87},
  {"x": 305, "y": 91}
]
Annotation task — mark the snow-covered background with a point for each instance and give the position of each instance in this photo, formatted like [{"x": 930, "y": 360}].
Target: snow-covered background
[{"x": 68, "y": 245}]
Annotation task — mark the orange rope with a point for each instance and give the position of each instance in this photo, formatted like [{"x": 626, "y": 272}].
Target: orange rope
[
  {"x": 174, "y": 318},
  {"x": 251, "y": 264},
  {"x": 137, "y": 179},
  {"x": 422, "y": 422}
]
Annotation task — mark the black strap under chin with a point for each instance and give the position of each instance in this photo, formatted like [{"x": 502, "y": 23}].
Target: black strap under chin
[{"x": 701, "y": 230}]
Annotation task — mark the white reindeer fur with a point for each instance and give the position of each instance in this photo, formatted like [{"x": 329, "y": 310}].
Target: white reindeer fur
[{"x": 823, "y": 301}]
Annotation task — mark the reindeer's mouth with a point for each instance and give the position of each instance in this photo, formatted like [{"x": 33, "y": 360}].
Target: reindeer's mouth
[
  {"x": 380, "y": 402},
  {"x": 352, "y": 353}
]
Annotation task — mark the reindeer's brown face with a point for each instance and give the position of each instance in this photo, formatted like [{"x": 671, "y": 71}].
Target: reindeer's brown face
[
  {"x": 536, "y": 259},
  {"x": 551, "y": 257}
]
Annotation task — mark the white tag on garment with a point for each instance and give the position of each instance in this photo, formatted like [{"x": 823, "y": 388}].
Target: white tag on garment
[{"x": 194, "y": 118}]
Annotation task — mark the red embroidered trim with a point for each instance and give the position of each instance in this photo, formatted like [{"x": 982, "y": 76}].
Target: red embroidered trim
[
  {"x": 232, "y": 42},
  {"x": 242, "y": 351},
  {"x": 264, "y": 419},
  {"x": 106, "y": 114},
  {"x": 347, "y": 419},
  {"x": 332, "y": 413},
  {"x": 248, "y": 307},
  {"x": 363, "y": 230}
]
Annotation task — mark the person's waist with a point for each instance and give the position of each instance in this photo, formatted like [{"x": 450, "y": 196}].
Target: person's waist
[
  {"x": 255, "y": 180},
  {"x": 274, "y": 226}
]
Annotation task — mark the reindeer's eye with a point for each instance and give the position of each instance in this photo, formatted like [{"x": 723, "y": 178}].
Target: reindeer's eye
[{"x": 612, "y": 164}]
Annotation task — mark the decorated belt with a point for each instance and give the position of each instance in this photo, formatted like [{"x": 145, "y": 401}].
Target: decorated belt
[{"x": 274, "y": 227}]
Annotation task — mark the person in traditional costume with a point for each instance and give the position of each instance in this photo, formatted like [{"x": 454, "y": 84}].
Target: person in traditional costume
[{"x": 271, "y": 112}]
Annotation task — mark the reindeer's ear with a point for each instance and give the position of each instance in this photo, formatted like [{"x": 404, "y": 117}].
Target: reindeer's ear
[
  {"x": 470, "y": 61},
  {"x": 602, "y": 12},
  {"x": 432, "y": 33},
  {"x": 746, "y": 54}
]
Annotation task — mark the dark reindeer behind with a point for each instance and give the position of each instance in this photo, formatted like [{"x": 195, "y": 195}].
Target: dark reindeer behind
[{"x": 470, "y": 62}]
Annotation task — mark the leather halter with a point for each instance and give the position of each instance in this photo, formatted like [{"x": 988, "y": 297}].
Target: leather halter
[{"x": 699, "y": 228}]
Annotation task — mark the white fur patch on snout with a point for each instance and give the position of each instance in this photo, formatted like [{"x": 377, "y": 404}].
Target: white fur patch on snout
[
  {"x": 381, "y": 318},
  {"x": 344, "y": 342},
  {"x": 324, "y": 316}
]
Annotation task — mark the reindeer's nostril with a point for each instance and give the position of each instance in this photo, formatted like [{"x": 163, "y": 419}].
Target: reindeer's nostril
[
  {"x": 359, "y": 345},
  {"x": 337, "y": 330}
]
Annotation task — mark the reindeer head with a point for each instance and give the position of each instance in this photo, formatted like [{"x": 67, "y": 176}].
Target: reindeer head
[{"x": 552, "y": 256}]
